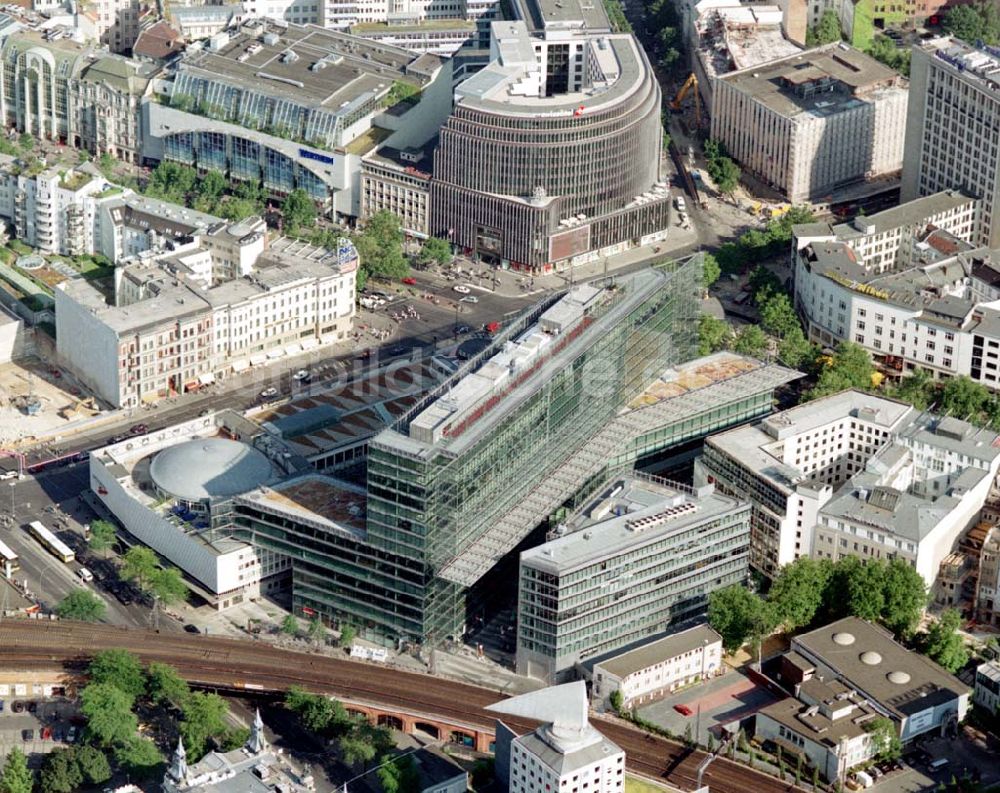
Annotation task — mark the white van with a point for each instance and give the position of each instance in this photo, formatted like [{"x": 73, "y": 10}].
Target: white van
[
  {"x": 85, "y": 574},
  {"x": 941, "y": 762},
  {"x": 864, "y": 779}
]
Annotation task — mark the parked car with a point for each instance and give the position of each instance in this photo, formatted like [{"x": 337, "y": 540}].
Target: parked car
[
  {"x": 192, "y": 628},
  {"x": 461, "y": 289},
  {"x": 302, "y": 375},
  {"x": 680, "y": 204},
  {"x": 32, "y": 707},
  {"x": 138, "y": 429},
  {"x": 269, "y": 393},
  {"x": 28, "y": 735},
  {"x": 46, "y": 733},
  {"x": 71, "y": 734},
  {"x": 410, "y": 280},
  {"x": 58, "y": 736},
  {"x": 684, "y": 710},
  {"x": 123, "y": 596},
  {"x": 469, "y": 299},
  {"x": 460, "y": 329},
  {"x": 1, "y": 706}
]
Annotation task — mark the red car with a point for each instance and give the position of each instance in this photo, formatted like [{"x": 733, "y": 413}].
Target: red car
[
  {"x": 46, "y": 733},
  {"x": 410, "y": 281},
  {"x": 684, "y": 710}
]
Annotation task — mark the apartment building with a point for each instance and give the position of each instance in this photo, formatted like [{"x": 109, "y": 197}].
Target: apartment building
[
  {"x": 197, "y": 22},
  {"x": 855, "y": 475},
  {"x": 987, "y": 691},
  {"x": 173, "y": 326},
  {"x": 814, "y": 122},
  {"x": 91, "y": 100},
  {"x": 654, "y": 670},
  {"x": 885, "y": 241},
  {"x": 953, "y": 128},
  {"x": 399, "y": 182},
  {"x": 641, "y": 558},
  {"x": 988, "y": 590}
]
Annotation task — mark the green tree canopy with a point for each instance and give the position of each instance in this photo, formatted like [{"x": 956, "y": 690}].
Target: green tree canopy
[
  {"x": 204, "y": 718},
  {"x": 798, "y": 590},
  {"x": 905, "y": 597},
  {"x": 118, "y": 668},
  {"x": 918, "y": 389},
  {"x": 435, "y": 250},
  {"x": 974, "y": 22},
  {"x": 750, "y": 340},
  {"x": 710, "y": 271},
  {"x": 166, "y": 686},
  {"x": 964, "y": 398},
  {"x": 317, "y": 712},
  {"x": 81, "y": 604},
  {"x": 167, "y": 584},
  {"x": 60, "y": 772},
  {"x": 380, "y": 246},
  {"x": 355, "y": 750},
  {"x": 102, "y": 535},
  {"x": 399, "y": 775},
  {"x": 826, "y": 31},
  {"x": 140, "y": 565},
  {"x": 726, "y": 175},
  {"x": 866, "y": 597},
  {"x": 944, "y": 644},
  {"x": 738, "y": 614},
  {"x": 851, "y": 368},
  {"x": 93, "y": 764},
  {"x": 884, "y": 738},
  {"x": 290, "y": 625},
  {"x": 713, "y": 334},
  {"x": 348, "y": 634},
  {"x": 108, "y": 710},
  {"x": 16, "y": 776},
  {"x": 298, "y": 210},
  {"x": 139, "y": 758},
  {"x": 212, "y": 185}
]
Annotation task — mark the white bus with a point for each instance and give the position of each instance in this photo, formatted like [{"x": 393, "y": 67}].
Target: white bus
[
  {"x": 50, "y": 542},
  {"x": 9, "y": 560}
]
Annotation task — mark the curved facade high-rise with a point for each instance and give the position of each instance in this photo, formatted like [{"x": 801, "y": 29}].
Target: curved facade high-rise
[{"x": 553, "y": 150}]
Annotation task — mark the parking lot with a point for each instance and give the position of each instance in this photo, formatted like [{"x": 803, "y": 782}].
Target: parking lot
[
  {"x": 722, "y": 700},
  {"x": 37, "y": 726}
]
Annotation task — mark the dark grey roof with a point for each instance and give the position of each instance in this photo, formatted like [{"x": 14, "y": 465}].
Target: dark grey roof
[{"x": 654, "y": 652}]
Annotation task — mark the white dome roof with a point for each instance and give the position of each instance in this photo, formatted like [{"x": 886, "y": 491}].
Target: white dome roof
[
  {"x": 209, "y": 468},
  {"x": 843, "y": 639},
  {"x": 899, "y": 678},
  {"x": 871, "y": 658}
]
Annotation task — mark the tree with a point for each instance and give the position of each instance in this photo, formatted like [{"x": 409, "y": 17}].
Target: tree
[
  {"x": 139, "y": 758},
  {"x": 298, "y": 209},
  {"x": 851, "y": 367},
  {"x": 944, "y": 644},
  {"x": 290, "y": 625},
  {"x": 355, "y": 749},
  {"x": 688, "y": 734},
  {"x": 236, "y": 208},
  {"x": 710, "y": 270},
  {"x": 905, "y": 597},
  {"x": 826, "y": 31},
  {"x": 866, "y": 597},
  {"x": 884, "y": 739},
  {"x": 964, "y": 22},
  {"x": 212, "y": 185},
  {"x": 737, "y": 615},
  {"x": 204, "y": 718},
  {"x": 317, "y": 631},
  {"x": 93, "y": 764},
  {"x": 797, "y": 591},
  {"x": 726, "y": 176},
  {"x": 140, "y": 565},
  {"x": 435, "y": 250},
  {"x": 399, "y": 775},
  {"x": 16, "y": 777},
  {"x": 61, "y": 772},
  {"x": 616, "y": 699},
  {"x": 167, "y": 585},
  {"x": 118, "y": 668},
  {"x": 713, "y": 334},
  {"x": 964, "y": 398},
  {"x": 380, "y": 246},
  {"x": 234, "y": 738},
  {"x": 26, "y": 142},
  {"x": 777, "y": 315},
  {"x": 108, "y": 709},
  {"x": 750, "y": 340},
  {"x": 918, "y": 389},
  {"x": 318, "y": 713},
  {"x": 815, "y": 778},
  {"x": 795, "y": 349},
  {"x": 81, "y": 604},
  {"x": 347, "y": 635},
  {"x": 166, "y": 686},
  {"x": 102, "y": 535}
]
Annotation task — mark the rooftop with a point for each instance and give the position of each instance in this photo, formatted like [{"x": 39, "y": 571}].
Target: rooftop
[
  {"x": 641, "y": 511},
  {"x": 660, "y": 650},
  {"x": 903, "y": 216},
  {"x": 821, "y": 81},
  {"x": 737, "y": 36},
  {"x": 866, "y": 658},
  {"x": 209, "y": 468},
  {"x": 695, "y": 375},
  {"x": 839, "y": 714},
  {"x": 315, "y": 498},
  {"x": 978, "y": 63}
]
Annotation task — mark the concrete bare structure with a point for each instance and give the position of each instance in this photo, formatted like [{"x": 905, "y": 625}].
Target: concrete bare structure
[
  {"x": 811, "y": 123},
  {"x": 951, "y": 130}
]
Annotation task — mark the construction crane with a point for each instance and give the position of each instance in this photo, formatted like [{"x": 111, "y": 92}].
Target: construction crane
[{"x": 691, "y": 82}]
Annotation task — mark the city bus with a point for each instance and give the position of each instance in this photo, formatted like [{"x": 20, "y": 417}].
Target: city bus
[
  {"x": 9, "y": 560},
  {"x": 50, "y": 542}
]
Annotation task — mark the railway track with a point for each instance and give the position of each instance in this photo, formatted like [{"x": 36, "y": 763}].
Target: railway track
[{"x": 236, "y": 664}]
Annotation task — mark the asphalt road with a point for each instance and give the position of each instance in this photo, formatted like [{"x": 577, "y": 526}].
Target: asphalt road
[{"x": 53, "y": 498}]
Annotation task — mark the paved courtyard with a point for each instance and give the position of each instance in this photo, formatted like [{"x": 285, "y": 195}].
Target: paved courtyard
[{"x": 722, "y": 700}]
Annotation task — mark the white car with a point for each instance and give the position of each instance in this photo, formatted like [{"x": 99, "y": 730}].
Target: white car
[
  {"x": 302, "y": 374},
  {"x": 85, "y": 574},
  {"x": 679, "y": 203},
  {"x": 268, "y": 393},
  {"x": 469, "y": 299},
  {"x": 461, "y": 289}
]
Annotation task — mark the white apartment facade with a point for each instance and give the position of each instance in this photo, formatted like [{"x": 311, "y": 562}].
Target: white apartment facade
[
  {"x": 988, "y": 585},
  {"x": 952, "y": 135},
  {"x": 841, "y": 123},
  {"x": 987, "y": 692},
  {"x": 169, "y": 333},
  {"x": 790, "y": 465},
  {"x": 655, "y": 669}
]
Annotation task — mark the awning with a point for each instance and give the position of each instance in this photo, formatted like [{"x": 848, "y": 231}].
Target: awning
[
  {"x": 241, "y": 366},
  {"x": 258, "y": 360},
  {"x": 276, "y": 353},
  {"x": 206, "y": 379},
  {"x": 192, "y": 386},
  {"x": 293, "y": 349},
  {"x": 310, "y": 344}
]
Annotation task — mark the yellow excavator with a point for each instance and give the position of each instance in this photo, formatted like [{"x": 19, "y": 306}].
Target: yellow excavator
[{"x": 689, "y": 84}]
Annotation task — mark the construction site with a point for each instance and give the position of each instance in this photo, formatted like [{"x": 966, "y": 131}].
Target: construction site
[{"x": 39, "y": 402}]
